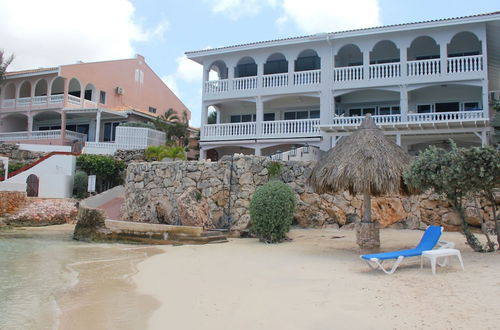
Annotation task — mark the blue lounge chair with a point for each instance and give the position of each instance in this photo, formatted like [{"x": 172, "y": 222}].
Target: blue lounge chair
[{"x": 428, "y": 242}]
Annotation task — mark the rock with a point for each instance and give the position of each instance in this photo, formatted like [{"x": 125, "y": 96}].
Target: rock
[
  {"x": 387, "y": 211},
  {"x": 193, "y": 209},
  {"x": 452, "y": 219},
  {"x": 165, "y": 212},
  {"x": 472, "y": 217}
]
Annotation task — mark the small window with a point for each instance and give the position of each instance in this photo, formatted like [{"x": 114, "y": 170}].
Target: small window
[
  {"x": 385, "y": 110},
  {"x": 471, "y": 106},
  {"x": 302, "y": 114},
  {"x": 102, "y": 97},
  {"x": 354, "y": 112},
  {"x": 152, "y": 110},
  {"x": 395, "y": 110},
  {"x": 246, "y": 118},
  {"x": 290, "y": 115},
  {"x": 424, "y": 108},
  {"x": 447, "y": 107},
  {"x": 314, "y": 114},
  {"x": 236, "y": 119}
]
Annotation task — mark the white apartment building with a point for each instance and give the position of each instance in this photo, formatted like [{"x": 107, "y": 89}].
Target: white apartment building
[{"x": 423, "y": 82}]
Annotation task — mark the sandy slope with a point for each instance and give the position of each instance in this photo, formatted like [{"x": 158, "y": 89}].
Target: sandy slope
[{"x": 317, "y": 282}]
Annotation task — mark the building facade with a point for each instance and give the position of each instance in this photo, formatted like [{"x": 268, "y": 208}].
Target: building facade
[
  {"x": 81, "y": 102},
  {"x": 423, "y": 82}
]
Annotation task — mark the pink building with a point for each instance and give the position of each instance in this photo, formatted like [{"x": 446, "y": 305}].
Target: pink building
[{"x": 70, "y": 104}]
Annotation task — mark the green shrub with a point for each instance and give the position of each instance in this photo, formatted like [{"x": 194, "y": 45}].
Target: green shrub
[
  {"x": 271, "y": 211},
  {"x": 274, "y": 170},
  {"x": 80, "y": 184},
  {"x": 12, "y": 167},
  {"x": 109, "y": 171},
  {"x": 157, "y": 153}
]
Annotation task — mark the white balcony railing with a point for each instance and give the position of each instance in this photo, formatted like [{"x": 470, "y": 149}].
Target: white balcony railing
[
  {"x": 465, "y": 64},
  {"x": 275, "y": 80},
  {"x": 39, "y": 100},
  {"x": 216, "y": 86},
  {"x": 23, "y": 102},
  {"x": 435, "y": 117},
  {"x": 424, "y": 67},
  {"x": 41, "y": 135},
  {"x": 348, "y": 73},
  {"x": 385, "y": 70},
  {"x": 74, "y": 100},
  {"x": 312, "y": 77},
  {"x": 56, "y": 99},
  {"x": 278, "y": 128},
  {"x": 245, "y": 83},
  {"x": 240, "y": 130},
  {"x": 10, "y": 103}
]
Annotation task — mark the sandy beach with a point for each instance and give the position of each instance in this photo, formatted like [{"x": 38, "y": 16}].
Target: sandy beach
[{"x": 317, "y": 281}]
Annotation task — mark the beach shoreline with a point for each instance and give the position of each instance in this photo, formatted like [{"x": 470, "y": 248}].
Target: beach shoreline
[{"x": 316, "y": 281}]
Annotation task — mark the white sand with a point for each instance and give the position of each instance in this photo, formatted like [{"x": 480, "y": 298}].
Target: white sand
[{"x": 317, "y": 282}]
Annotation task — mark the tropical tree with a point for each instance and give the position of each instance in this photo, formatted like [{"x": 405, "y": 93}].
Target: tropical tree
[
  {"x": 175, "y": 129},
  {"x": 212, "y": 118},
  {"x": 4, "y": 63},
  {"x": 456, "y": 174},
  {"x": 367, "y": 163}
]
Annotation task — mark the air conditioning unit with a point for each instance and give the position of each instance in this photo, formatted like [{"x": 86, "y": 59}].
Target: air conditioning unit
[{"x": 120, "y": 90}]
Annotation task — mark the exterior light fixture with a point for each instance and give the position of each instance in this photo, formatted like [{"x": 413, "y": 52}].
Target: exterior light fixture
[
  {"x": 305, "y": 148},
  {"x": 293, "y": 151},
  {"x": 279, "y": 154}
]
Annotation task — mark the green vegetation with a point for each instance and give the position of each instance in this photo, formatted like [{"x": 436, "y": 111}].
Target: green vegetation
[
  {"x": 157, "y": 153},
  {"x": 143, "y": 125},
  {"x": 80, "y": 183},
  {"x": 274, "y": 170},
  {"x": 12, "y": 167},
  {"x": 457, "y": 174},
  {"x": 108, "y": 171},
  {"x": 271, "y": 211},
  {"x": 175, "y": 128},
  {"x": 4, "y": 63},
  {"x": 212, "y": 118}
]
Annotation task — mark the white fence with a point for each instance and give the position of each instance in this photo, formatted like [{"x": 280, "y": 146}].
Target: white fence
[{"x": 41, "y": 135}]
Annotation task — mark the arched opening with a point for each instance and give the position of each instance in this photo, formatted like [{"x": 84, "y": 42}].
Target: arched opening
[
  {"x": 464, "y": 44},
  {"x": 348, "y": 55},
  {"x": 16, "y": 122},
  {"x": 445, "y": 98},
  {"x": 276, "y": 63},
  {"x": 423, "y": 48},
  {"x": 25, "y": 90},
  {"x": 218, "y": 71},
  {"x": 307, "y": 60},
  {"x": 9, "y": 92},
  {"x": 236, "y": 112},
  {"x": 373, "y": 101},
  {"x": 75, "y": 88},
  {"x": 90, "y": 93},
  {"x": 246, "y": 67},
  {"x": 384, "y": 51},
  {"x": 32, "y": 184},
  {"x": 41, "y": 88},
  {"x": 57, "y": 87},
  {"x": 47, "y": 121}
]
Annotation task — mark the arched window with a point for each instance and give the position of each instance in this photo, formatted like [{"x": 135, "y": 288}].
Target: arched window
[
  {"x": 464, "y": 44},
  {"x": 218, "y": 71},
  {"x": 276, "y": 63},
  {"x": 307, "y": 60},
  {"x": 57, "y": 87},
  {"x": 246, "y": 68},
  {"x": 75, "y": 88},
  {"x": 423, "y": 48},
  {"x": 349, "y": 55},
  {"x": 41, "y": 88},
  {"x": 25, "y": 90},
  {"x": 90, "y": 93},
  {"x": 10, "y": 92},
  {"x": 384, "y": 51}
]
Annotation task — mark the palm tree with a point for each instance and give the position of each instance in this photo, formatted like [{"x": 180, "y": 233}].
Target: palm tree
[
  {"x": 367, "y": 163},
  {"x": 4, "y": 63}
]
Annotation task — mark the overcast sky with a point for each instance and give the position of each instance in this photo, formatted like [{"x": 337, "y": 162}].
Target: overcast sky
[{"x": 54, "y": 32}]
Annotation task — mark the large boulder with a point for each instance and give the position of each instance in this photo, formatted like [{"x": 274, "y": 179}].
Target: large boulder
[
  {"x": 193, "y": 209},
  {"x": 387, "y": 211}
]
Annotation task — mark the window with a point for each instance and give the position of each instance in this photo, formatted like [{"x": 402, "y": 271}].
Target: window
[
  {"x": 269, "y": 116},
  {"x": 447, "y": 107},
  {"x": 110, "y": 131},
  {"x": 424, "y": 108},
  {"x": 389, "y": 110},
  {"x": 301, "y": 114},
  {"x": 242, "y": 118},
  {"x": 471, "y": 106},
  {"x": 152, "y": 110},
  {"x": 102, "y": 97}
]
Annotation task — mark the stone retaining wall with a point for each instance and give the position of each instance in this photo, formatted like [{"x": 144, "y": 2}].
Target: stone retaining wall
[
  {"x": 19, "y": 156},
  {"x": 154, "y": 193},
  {"x": 11, "y": 201}
]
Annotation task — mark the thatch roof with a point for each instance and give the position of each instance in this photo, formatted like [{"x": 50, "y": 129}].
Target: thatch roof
[{"x": 364, "y": 162}]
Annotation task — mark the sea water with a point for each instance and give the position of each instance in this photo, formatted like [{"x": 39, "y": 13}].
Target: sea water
[{"x": 49, "y": 281}]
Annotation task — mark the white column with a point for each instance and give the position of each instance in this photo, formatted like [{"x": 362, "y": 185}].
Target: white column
[
  {"x": 259, "y": 115},
  {"x": 217, "y": 111},
  {"x": 485, "y": 100},
  {"x": 403, "y": 102},
  {"x": 403, "y": 59},
  {"x": 443, "y": 54},
  {"x": 258, "y": 151},
  {"x": 203, "y": 154},
  {"x": 97, "y": 126},
  {"x": 366, "y": 64},
  {"x": 325, "y": 103},
  {"x": 204, "y": 120},
  {"x": 63, "y": 125},
  {"x": 291, "y": 69},
  {"x": 484, "y": 138},
  {"x": 30, "y": 122},
  {"x": 398, "y": 139}
]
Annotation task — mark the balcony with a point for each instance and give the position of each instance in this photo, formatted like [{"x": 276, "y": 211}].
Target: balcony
[
  {"x": 410, "y": 121},
  {"x": 267, "y": 129},
  {"x": 42, "y": 137},
  {"x": 45, "y": 102}
]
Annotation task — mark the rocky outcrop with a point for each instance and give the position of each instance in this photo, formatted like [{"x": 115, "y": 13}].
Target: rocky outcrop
[
  {"x": 128, "y": 156},
  {"x": 152, "y": 192},
  {"x": 16, "y": 155},
  {"x": 193, "y": 209},
  {"x": 11, "y": 201}
]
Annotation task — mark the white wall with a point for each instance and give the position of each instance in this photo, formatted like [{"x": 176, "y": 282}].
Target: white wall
[
  {"x": 43, "y": 147},
  {"x": 55, "y": 176}
]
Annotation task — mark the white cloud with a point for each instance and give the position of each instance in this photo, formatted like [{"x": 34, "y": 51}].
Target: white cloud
[
  {"x": 315, "y": 16},
  {"x": 172, "y": 84},
  {"x": 54, "y": 32},
  {"x": 235, "y": 9}
]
